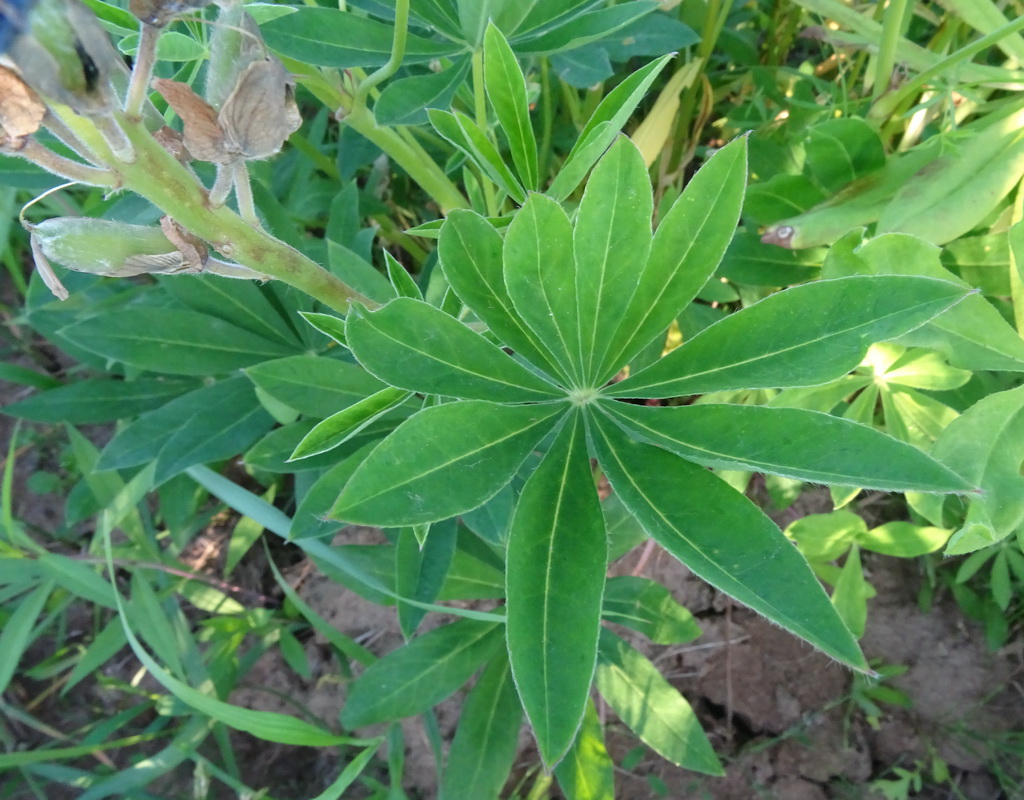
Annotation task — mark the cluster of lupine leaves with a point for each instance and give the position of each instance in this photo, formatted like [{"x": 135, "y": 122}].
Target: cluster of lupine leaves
[{"x": 514, "y": 283}]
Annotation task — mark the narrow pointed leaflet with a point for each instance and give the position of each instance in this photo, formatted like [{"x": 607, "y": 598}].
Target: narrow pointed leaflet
[
  {"x": 413, "y": 345},
  {"x": 611, "y": 240},
  {"x": 470, "y": 252},
  {"x": 557, "y": 557},
  {"x": 723, "y": 537},
  {"x": 541, "y": 280},
  {"x": 793, "y": 442},
  {"x": 443, "y": 461},
  {"x": 687, "y": 247},
  {"x": 803, "y": 336}
]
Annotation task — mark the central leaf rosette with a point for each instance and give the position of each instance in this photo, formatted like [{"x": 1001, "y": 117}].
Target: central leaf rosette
[{"x": 575, "y": 300}]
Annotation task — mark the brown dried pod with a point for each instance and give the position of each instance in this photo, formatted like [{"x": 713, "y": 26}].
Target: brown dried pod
[
  {"x": 261, "y": 111},
  {"x": 203, "y": 135},
  {"x": 21, "y": 110}
]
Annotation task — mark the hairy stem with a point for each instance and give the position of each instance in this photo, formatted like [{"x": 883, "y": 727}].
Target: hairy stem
[{"x": 157, "y": 176}]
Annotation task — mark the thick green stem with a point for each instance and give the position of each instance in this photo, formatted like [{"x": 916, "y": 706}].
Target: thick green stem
[{"x": 157, "y": 176}]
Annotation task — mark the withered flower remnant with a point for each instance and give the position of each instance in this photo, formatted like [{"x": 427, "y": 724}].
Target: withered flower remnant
[
  {"x": 63, "y": 53},
  {"x": 21, "y": 110},
  {"x": 253, "y": 123}
]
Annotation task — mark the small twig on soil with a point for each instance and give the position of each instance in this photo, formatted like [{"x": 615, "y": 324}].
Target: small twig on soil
[
  {"x": 223, "y": 586},
  {"x": 645, "y": 556}
]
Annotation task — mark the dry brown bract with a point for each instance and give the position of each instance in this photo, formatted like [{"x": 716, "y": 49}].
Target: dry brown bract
[{"x": 21, "y": 110}]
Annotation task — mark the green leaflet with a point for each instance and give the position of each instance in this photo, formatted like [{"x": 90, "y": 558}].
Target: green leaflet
[
  {"x": 723, "y": 538},
  {"x": 347, "y": 423},
  {"x": 611, "y": 240},
  {"x": 314, "y": 385},
  {"x": 686, "y": 250},
  {"x": 803, "y": 336},
  {"x": 178, "y": 342},
  {"x": 98, "y": 400},
  {"x": 651, "y": 707},
  {"x": 649, "y": 608},
  {"x": 466, "y": 135},
  {"x": 806, "y": 445},
  {"x": 986, "y": 443},
  {"x": 485, "y": 743},
  {"x": 421, "y": 569},
  {"x": 443, "y": 461},
  {"x": 556, "y": 562},
  {"x": 405, "y": 101},
  {"x": 328, "y": 37},
  {"x": 587, "y": 771},
  {"x": 541, "y": 282},
  {"x": 412, "y": 345},
  {"x": 972, "y": 335},
  {"x": 421, "y": 674},
  {"x": 603, "y": 127},
  {"x": 506, "y": 90},
  {"x": 470, "y": 251},
  {"x": 212, "y": 422}
]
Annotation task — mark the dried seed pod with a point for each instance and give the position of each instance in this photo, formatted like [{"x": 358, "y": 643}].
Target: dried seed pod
[
  {"x": 254, "y": 122},
  {"x": 21, "y": 110},
  {"x": 261, "y": 111},
  {"x": 203, "y": 134},
  {"x": 64, "y": 54}
]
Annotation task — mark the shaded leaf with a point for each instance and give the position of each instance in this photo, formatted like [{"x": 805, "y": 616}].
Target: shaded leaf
[
  {"x": 485, "y": 743},
  {"x": 421, "y": 674},
  {"x": 651, "y": 707}
]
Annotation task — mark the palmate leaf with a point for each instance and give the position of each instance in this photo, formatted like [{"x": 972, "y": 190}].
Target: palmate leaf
[
  {"x": 556, "y": 562},
  {"x": 806, "y": 445},
  {"x": 723, "y": 537},
  {"x": 803, "y": 336},
  {"x": 412, "y": 345},
  {"x": 443, "y": 461}
]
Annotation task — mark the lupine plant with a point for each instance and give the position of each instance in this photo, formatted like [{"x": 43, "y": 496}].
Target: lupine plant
[{"x": 515, "y": 418}]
